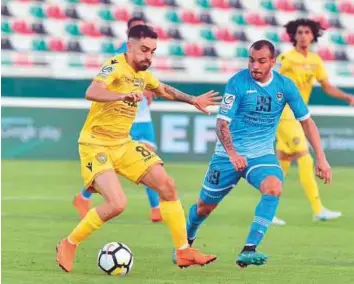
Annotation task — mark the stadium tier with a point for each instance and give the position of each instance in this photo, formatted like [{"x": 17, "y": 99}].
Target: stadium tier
[{"x": 85, "y": 32}]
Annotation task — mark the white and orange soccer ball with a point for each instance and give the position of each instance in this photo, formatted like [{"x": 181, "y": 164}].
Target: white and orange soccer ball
[{"x": 115, "y": 259}]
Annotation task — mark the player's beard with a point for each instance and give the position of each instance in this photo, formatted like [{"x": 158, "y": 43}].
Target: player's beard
[{"x": 144, "y": 65}]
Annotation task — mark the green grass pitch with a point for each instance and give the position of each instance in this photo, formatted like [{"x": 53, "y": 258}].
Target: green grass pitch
[{"x": 37, "y": 213}]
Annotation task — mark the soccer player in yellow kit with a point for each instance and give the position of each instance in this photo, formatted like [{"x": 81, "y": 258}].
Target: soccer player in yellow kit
[
  {"x": 304, "y": 67},
  {"x": 106, "y": 148}
]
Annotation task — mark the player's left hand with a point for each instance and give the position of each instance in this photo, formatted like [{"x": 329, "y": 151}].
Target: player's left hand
[
  {"x": 210, "y": 98},
  {"x": 323, "y": 170}
]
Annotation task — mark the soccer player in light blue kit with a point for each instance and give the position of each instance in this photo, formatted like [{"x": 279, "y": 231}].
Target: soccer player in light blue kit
[
  {"x": 246, "y": 125},
  {"x": 142, "y": 131}
]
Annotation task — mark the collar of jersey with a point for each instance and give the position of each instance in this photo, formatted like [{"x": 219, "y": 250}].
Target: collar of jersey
[
  {"x": 124, "y": 61},
  {"x": 265, "y": 83}
]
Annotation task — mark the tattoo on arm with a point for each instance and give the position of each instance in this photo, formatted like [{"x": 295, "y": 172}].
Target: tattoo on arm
[
  {"x": 224, "y": 135},
  {"x": 176, "y": 95}
]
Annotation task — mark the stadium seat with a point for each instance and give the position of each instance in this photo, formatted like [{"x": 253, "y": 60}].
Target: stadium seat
[
  {"x": 346, "y": 7},
  {"x": 285, "y": 5},
  {"x": 6, "y": 44},
  {"x": 108, "y": 47},
  {"x": 5, "y": 10},
  {"x": 190, "y": 17},
  {"x": 255, "y": 19},
  {"x": 340, "y": 55},
  {"x": 225, "y": 34},
  {"x": 204, "y": 4},
  {"x": 176, "y": 50},
  {"x": 193, "y": 50},
  {"x": 241, "y": 52},
  {"x": 221, "y": 4},
  {"x": 326, "y": 54},
  {"x": 171, "y": 3},
  {"x": 162, "y": 34},
  {"x": 107, "y": 31},
  {"x": 350, "y": 38},
  {"x": 37, "y": 12},
  {"x": 39, "y": 28},
  {"x": 338, "y": 39},
  {"x": 39, "y": 45},
  {"x": 331, "y": 7},
  {"x": 241, "y": 36},
  {"x": 73, "y": 29},
  {"x": 174, "y": 33},
  {"x": 74, "y": 46},
  {"x": 55, "y": 12},
  {"x": 210, "y": 51},
  {"x": 21, "y": 27},
  {"x": 90, "y": 29},
  {"x": 122, "y": 14},
  {"x": 106, "y": 14},
  {"x": 71, "y": 12},
  {"x": 138, "y": 2},
  {"x": 271, "y": 20},
  {"x": 268, "y": 5},
  {"x": 155, "y": 3},
  {"x": 6, "y": 27},
  {"x": 236, "y": 4},
  {"x": 172, "y": 17},
  {"x": 207, "y": 34},
  {"x": 273, "y": 36},
  {"x": 56, "y": 45},
  {"x": 206, "y": 18},
  {"x": 239, "y": 19}
]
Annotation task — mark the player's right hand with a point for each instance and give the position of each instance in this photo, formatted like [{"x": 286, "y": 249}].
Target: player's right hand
[
  {"x": 239, "y": 162},
  {"x": 323, "y": 170},
  {"x": 133, "y": 97}
]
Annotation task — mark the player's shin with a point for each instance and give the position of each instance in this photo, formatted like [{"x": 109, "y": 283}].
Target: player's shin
[
  {"x": 173, "y": 215},
  {"x": 193, "y": 222},
  {"x": 264, "y": 214},
  {"x": 153, "y": 196},
  {"x": 91, "y": 222}
]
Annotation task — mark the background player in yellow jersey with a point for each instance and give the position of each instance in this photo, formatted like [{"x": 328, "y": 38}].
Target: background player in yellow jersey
[
  {"x": 106, "y": 148},
  {"x": 304, "y": 67}
]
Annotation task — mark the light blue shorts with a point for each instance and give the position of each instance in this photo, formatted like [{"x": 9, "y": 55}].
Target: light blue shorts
[
  {"x": 144, "y": 132},
  {"x": 221, "y": 176}
]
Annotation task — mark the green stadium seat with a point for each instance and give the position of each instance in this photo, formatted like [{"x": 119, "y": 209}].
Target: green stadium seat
[
  {"x": 106, "y": 14},
  {"x": 73, "y": 1},
  {"x": 204, "y": 3},
  {"x": 175, "y": 50},
  {"x": 72, "y": 29},
  {"x": 273, "y": 36},
  {"x": 241, "y": 52},
  {"x": 338, "y": 39},
  {"x": 207, "y": 34},
  {"x": 108, "y": 47},
  {"x": 331, "y": 7},
  {"x": 39, "y": 45},
  {"x": 37, "y": 12},
  {"x": 138, "y": 2},
  {"x": 268, "y": 5},
  {"x": 6, "y": 28},
  {"x": 212, "y": 68},
  {"x": 76, "y": 63},
  {"x": 239, "y": 19},
  {"x": 173, "y": 17}
]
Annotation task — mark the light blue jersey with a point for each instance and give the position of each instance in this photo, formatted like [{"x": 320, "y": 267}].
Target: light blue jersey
[
  {"x": 143, "y": 112},
  {"x": 254, "y": 109}
]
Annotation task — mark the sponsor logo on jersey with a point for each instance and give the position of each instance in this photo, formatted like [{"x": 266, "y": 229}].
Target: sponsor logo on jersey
[
  {"x": 279, "y": 96},
  {"x": 105, "y": 71},
  {"x": 227, "y": 102}
]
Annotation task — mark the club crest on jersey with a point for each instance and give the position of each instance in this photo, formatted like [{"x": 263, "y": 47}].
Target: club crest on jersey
[
  {"x": 227, "y": 101},
  {"x": 105, "y": 71},
  {"x": 101, "y": 158},
  {"x": 279, "y": 96},
  {"x": 138, "y": 83}
]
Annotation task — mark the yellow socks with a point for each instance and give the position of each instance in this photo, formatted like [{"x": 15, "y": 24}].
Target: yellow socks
[
  {"x": 88, "y": 224},
  {"x": 308, "y": 181},
  {"x": 285, "y": 165},
  {"x": 173, "y": 215}
]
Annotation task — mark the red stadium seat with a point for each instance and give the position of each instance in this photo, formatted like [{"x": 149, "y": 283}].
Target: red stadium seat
[
  {"x": 323, "y": 20},
  {"x": 346, "y": 7},
  {"x": 189, "y": 17},
  {"x": 225, "y": 35},
  {"x": 284, "y": 37},
  {"x": 326, "y": 54},
  {"x": 350, "y": 38},
  {"x": 122, "y": 14},
  {"x": 55, "y": 12},
  {"x": 161, "y": 33},
  {"x": 255, "y": 19},
  {"x": 21, "y": 27},
  {"x": 193, "y": 50},
  {"x": 56, "y": 45},
  {"x": 90, "y": 1},
  {"x": 222, "y": 4},
  {"x": 90, "y": 29},
  {"x": 285, "y": 5},
  {"x": 155, "y": 3}
]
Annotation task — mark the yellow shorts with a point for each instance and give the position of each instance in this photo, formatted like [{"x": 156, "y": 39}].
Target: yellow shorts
[
  {"x": 290, "y": 137},
  {"x": 130, "y": 160}
]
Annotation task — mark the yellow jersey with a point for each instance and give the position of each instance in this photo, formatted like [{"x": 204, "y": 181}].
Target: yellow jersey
[
  {"x": 303, "y": 71},
  {"x": 109, "y": 123}
]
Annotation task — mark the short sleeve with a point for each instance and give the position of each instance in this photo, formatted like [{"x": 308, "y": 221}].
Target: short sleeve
[
  {"x": 230, "y": 102},
  {"x": 109, "y": 72},
  {"x": 282, "y": 64},
  {"x": 321, "y": 72},
  {"x": 151, "y": 81},
  {"x": 295, "y": 101}
]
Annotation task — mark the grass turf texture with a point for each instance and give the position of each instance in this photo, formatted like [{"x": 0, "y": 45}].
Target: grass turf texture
[{"x": 37, "y": 213}]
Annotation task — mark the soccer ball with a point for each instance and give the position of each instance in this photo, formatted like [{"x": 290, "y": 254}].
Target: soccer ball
[{"x": 115, "y": 259}]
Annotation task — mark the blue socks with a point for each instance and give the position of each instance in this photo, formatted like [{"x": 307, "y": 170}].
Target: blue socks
[
  {"x": 264, "y": 213},
  {"x": 85, "y": 194},
  {"x": 193, "y": 222},
  {"x": 153, "y": 196}
]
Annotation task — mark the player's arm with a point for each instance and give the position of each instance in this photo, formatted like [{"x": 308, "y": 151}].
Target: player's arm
[
  {"x": 302, "y": 114},
  {"x": 227, "y": 110},
  {"x": 337, "y": 93},
  {"x": 200, "y": 102},
  {"x": 97, "y": 92}
]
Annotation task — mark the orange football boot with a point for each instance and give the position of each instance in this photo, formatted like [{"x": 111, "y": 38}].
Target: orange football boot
[
  {"x": 155, "y": 215},
  {"x": 190, "y": 256},
  {"x": 66, "y": 255}
]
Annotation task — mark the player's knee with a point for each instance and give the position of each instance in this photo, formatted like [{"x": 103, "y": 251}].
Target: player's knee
[
  {"x": 117, "y": 206},
  {"x": 271, "y": 186},
  {"x": 167, "y": 189},
  {"x": 204, "y": 209}
]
